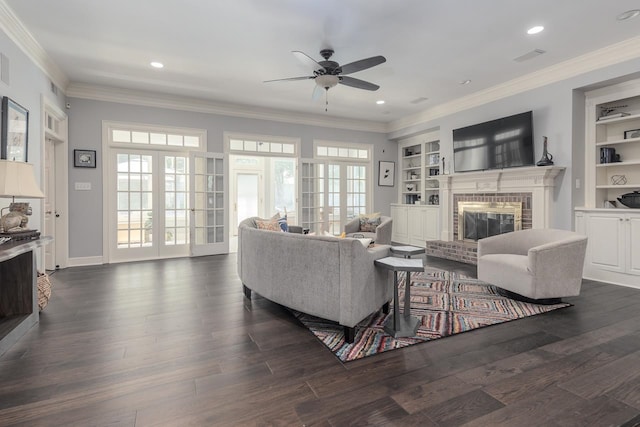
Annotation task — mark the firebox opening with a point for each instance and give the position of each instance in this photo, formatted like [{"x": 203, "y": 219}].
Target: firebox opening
[{"x": 477, "y": 220}]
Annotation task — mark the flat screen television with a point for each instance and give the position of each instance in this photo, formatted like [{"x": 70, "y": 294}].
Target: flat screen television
[{"x": 497, "y": 144}]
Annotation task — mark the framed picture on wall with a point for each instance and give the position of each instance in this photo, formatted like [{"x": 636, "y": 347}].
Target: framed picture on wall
[
  {"x": 84, "y": 158},
  {"x": 386, "y": 173},
  {"x": 15, "y": 131}
]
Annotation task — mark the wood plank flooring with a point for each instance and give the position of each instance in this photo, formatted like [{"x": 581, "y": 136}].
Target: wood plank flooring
[{"x": 175, "y": 343}]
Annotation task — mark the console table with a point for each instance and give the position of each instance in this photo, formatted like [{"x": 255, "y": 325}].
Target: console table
[{"x": 18, "y": 289}]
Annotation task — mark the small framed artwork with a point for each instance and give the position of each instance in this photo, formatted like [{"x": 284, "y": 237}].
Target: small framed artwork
[
  {"x": 386, "y": 173},
  {"x": 634, "y": 133},
  {"x": 84, "y": 158},
  {"x": 15, "y": 131}
]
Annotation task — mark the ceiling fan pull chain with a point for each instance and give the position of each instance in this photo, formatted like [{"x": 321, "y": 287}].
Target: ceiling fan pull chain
[{"x": 326, "y": 102}]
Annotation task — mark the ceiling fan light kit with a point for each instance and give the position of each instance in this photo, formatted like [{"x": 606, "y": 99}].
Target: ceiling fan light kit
[{"x": 328, "y": 74}]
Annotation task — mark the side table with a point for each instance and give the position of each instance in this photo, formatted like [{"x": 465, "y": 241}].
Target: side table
[{"x": 403, "y": 325}]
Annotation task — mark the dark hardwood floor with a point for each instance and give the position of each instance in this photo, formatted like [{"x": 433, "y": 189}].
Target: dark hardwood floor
[{"x": 175, "y": 343}]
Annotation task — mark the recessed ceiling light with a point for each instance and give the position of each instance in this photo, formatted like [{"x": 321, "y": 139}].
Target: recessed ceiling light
[
  {"x": 628, "y": 14},
  {"x": 156, "y": 64},
  {"x": 380, "y": 102},
  {"x": 465, "y": 82},
  {"x": 535, "y": 30}
]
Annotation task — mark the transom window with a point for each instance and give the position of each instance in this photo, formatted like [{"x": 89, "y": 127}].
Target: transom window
[
  {"x": 339, "y": 151},
  {"x": 182, "y": 139},
  {"x": 260, "y": 146}
]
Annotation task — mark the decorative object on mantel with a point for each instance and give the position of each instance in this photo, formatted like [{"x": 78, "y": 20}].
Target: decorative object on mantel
[
  {"x": 618, "y": 179},
  {"x": 17, "y": 180},
  {"x": 547, "y": 158}
]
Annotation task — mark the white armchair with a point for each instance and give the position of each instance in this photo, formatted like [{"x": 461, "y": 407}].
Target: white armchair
[
  {"x": 382, "y": 235},
  {"x": 538, "y": 264}
]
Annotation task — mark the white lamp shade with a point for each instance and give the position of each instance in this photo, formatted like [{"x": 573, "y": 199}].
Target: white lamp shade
[{"x": 18, "y": 180}]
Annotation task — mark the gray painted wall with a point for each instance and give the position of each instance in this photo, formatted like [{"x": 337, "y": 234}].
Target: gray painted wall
[
  {"x": 558, "y": 113},
  {"x": 27, "y": 85},
  {"x": 85, "y": 132}
]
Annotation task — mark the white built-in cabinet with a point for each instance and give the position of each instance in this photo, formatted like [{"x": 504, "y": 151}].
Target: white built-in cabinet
[
  {"x": 414, "y": 224},
  {"x": 613, "y": 251},
  {"x": 416, "y": 216},
  {"x": 612, "y": 119}
]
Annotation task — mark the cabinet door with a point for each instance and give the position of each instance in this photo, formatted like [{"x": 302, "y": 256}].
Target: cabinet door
[
  {"x": 432, "y": 224},
  {"x": 416, "y": 218},
  {"x": 633, "y": 226},
  {"x": 606, "y": 242},
  {"x": 399, "y": 227}
]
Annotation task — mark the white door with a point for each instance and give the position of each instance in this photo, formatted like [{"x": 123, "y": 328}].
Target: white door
[
  {"x": 312, "y": 197},
  {"x": 49, "y": 189},
  {"x": 148, "y": 205},
  {"x": 209, "y": 201}
]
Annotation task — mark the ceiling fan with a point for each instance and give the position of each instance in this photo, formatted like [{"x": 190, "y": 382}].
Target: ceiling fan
[{"x": 328, "y": 74}]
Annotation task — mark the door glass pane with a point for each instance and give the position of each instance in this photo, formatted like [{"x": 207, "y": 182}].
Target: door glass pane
[
  {"x": 356, "y": 194},
  {"x": 284, "y": 188},
  {"x": 209, "y": 199},
  {"x": 334, "y": 199},
  {"x": 247, "y": 196},
  {"x": 176, "y": 205},
  {"x": 133, "y": 200}
]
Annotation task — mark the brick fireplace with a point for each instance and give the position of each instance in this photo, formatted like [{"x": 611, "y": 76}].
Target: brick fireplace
[{"x": 531, "y": 188}]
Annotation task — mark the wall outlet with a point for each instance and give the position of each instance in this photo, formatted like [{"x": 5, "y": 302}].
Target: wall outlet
[
  {"x": 577, "y": 183},
  {"x": 83, "y": 186}
]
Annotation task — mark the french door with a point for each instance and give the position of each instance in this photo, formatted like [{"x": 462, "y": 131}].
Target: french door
[
  {"x": 332, "y": 193},
  {"x": 148, "y": 209},
  {"x": 209, "y": 201}
]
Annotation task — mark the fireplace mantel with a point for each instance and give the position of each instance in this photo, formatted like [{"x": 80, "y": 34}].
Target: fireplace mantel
[{"x": 539, "y": 181}]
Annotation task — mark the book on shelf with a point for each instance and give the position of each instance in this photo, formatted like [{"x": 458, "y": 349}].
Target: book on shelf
[{"x": 613, "y": 116}]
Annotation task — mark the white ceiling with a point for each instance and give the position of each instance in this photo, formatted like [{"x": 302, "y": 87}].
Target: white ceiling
[{"x": 222, "y": 51}]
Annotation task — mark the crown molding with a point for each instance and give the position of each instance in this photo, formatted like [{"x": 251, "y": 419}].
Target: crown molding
[
  {"x": 19, "y": 34},
  {"x": 610, "y": 55},
  {"x": 153, "y": 99}
]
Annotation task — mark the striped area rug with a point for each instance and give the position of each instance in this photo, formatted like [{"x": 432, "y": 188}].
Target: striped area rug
[{"x": 447, "y": 303}]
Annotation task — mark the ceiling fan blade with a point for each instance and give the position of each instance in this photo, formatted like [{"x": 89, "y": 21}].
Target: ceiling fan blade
[
  {"x": 363, "y": 64},
  {"x": 309, "y": 61},
  {"x": 357, "y": 83},
  {"x": 290, "y": 79}
]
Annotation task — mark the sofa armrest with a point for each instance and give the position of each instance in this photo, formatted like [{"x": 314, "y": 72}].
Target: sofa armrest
[
  {"x": 383, "y": 231},
  {"x": 558, "y": 258},
  {"x": 352, "y": 226}
]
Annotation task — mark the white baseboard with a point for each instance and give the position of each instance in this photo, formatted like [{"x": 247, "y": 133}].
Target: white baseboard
[{"x": 83, "y": 261}]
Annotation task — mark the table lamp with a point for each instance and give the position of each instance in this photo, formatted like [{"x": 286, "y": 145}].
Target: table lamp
[{"x": 17, "y": 180}]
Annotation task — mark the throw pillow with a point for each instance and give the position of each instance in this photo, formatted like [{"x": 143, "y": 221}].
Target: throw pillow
[
  {"x": 369, "y": 224},
  {"x": 282, "y": 221},
  {"x": 269, "y": 225}
]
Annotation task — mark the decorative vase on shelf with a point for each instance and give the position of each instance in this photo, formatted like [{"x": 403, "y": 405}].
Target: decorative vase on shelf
[{"x": 547, "y": 158}]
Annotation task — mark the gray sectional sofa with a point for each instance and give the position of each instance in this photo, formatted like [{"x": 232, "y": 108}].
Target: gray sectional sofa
[{"x": 328, "y": 277}]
